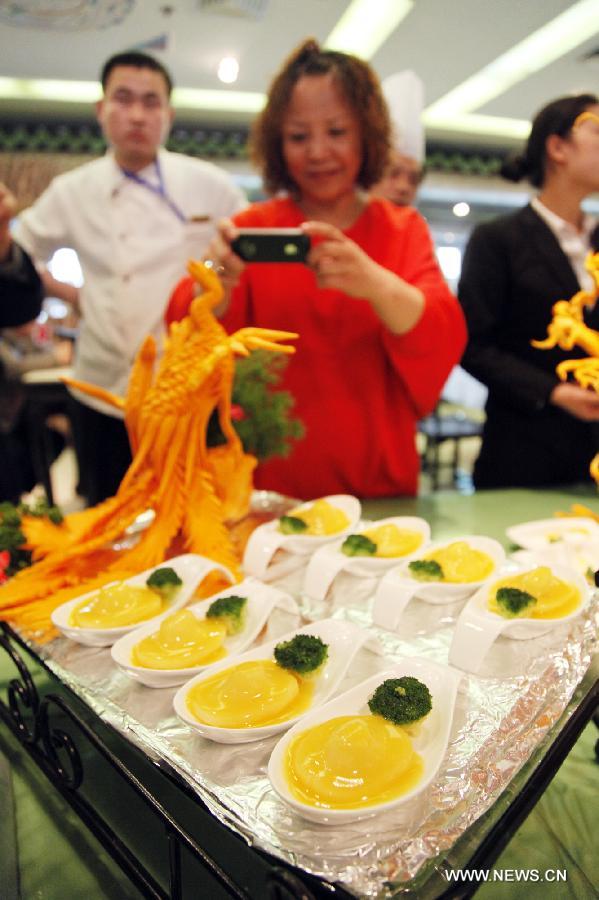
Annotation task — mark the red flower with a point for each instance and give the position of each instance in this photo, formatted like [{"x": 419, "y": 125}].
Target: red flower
[
  {"x": 237, "y": 412},
  {"x": 4, "y": 564}
]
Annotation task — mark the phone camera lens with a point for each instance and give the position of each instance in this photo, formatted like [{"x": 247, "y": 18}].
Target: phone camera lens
[{"x": 249, "y": 249}]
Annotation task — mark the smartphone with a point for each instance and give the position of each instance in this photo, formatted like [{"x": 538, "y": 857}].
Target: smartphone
[{"x": 261, "y": 245}]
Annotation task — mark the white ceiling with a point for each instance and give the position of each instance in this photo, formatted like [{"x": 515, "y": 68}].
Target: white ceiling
[{"x": 444, "y": 41}]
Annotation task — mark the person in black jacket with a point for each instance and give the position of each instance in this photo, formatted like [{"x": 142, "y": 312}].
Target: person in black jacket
[
  {"x": 21, "y": 295},
  {"x": 21, "y": 290},
  {"x": 539, "y": 430}
]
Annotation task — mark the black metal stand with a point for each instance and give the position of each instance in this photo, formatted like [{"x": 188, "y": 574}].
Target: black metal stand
[{"x": 30, "y": 719}]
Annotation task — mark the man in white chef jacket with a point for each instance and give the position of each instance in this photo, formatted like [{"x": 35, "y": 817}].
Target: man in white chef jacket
[
  {"x": 404, "y": 93},
  {"x": 134, "y": 217}
]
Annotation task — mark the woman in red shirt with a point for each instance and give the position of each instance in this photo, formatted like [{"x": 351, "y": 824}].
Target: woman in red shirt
[{"x": 379, "y": 329}]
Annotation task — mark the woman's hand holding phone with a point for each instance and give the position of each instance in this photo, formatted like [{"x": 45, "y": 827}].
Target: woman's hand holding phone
[
  {"x": 271, "y": 245},
  {"x": 228, "y": 266},
  {"x": 221, "y": 256},
  {"x": 339, "y": 263},
  {"x": 232, "y": 247}
]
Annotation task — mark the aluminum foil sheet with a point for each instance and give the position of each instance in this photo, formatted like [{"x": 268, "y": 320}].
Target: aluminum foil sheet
[{"x": 501, "y": 717}]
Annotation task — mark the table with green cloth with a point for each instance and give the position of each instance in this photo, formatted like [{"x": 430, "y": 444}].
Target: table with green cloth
[{"x": 55, "y": 857}]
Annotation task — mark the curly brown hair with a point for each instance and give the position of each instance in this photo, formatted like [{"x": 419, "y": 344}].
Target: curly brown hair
[{"x": 361, "y": 89}]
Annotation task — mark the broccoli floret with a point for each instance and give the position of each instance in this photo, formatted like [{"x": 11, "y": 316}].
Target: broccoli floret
[
  {"x": 40, "y": 509},
  {"x": 358, "y": 545},
  {"x": 11, "y": 537},
  {"x": 426, "y": 570},
  {"x": 304, "y": 654},
  {"x": 9, "y": 516},
  {"x": 514, "y": 602},
  {"x": 55, "y": 515},
  {"x": 165, "y": 582},
  {"x": 401, "y": 700},
  {"x": 292, "y": 525},
  {"x": 231, "y": 610}
]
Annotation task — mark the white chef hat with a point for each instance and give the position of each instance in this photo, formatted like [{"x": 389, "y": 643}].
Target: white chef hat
[{"x": 404, "y": 93}]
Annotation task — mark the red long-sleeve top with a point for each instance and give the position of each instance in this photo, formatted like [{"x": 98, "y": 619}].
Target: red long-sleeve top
[{"x": 358, "y": 388}]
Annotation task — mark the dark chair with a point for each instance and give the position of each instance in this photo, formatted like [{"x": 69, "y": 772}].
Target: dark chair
[
  {"x": 446, "y": 423},
  {"x": 44, "y": 398}
]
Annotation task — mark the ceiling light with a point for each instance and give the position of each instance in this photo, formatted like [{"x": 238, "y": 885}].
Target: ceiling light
[
  {"x": 461, "y": 209},
  {"x": 543, "y": 46},
  {"x": 473, "y": 123},
  {"x": 49, "y": 89},
  {"x": 90, "y": 91},
  {"x": 365, "y": 26},
  {"x": 229, "y": 101},
  {"x": 228, "y": 69}
]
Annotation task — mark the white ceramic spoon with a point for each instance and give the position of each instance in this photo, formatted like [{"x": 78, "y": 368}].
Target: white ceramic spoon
[
  {"x": 191, "y": 569},
  {"x": 344, "y": 639},
  {"x": 267, "y": 539},
  {"x": 431, "y": 743},
  {"x": 329, "y": 561},
  {"x": 583, "y": 557},
  {"x": 547, "y": 532},
  {"x": 261, "y": 600},
  {"x": 397, "y": 586},
  {"x": 478, "y": 628}
]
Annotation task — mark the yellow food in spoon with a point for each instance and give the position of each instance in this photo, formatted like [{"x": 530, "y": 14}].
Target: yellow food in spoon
[
  {"x": 351, "y": 762},
  {"x": 554, "y": 598},
  {"x": 249, "y": 695},
  {"x": 180, "y": 642},
  {"x": 461, "y": 563},
  {"x": 116, "y": 606},
  {"x": 393, "y": 541},
  {"x": 321, "y": 517}
]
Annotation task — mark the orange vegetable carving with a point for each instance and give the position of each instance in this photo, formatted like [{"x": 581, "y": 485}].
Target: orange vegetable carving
[
  {"x": 567, "y": 329},
  {"x": 192, "y": 489}
]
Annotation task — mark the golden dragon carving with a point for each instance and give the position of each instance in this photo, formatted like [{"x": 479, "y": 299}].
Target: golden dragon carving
[
  {"x": 567, "y": 329},
  {"x": 193, "y": 489}
]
